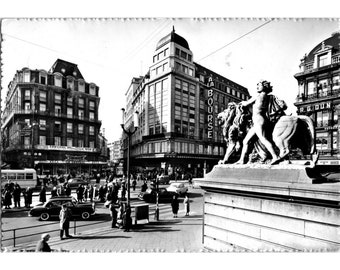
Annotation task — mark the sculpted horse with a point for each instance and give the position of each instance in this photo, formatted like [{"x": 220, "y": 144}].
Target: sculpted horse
[
  {"x": 288, "y": 132},
  {"x": 235, "y": 121}
]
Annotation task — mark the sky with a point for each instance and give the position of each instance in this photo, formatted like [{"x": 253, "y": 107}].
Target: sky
[{"x": 110, "y": 52}]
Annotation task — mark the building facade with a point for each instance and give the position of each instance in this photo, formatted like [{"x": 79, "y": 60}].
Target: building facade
[
  {"x": 178, "y": 101},
  {"x": 319, "y": 96},
  {"x": 50, "y": 121}
]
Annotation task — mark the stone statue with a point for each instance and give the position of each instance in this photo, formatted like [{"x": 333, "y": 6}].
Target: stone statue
[{"x": 277, "y": 130}]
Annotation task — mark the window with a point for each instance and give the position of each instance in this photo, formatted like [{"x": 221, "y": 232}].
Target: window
[
  {"x": 57, "y": 141},
  {"x": 92, "y": 90},
  {"x": 334, "y": 140},
  {"x": 81, "y": 103},
  {"x": 322, "y": 141},
  {"x": 336, "y": 82},
  {"x": 166, "y": 52},
  {"x": 81, "y": 114},
  {"x": 27, "y": 76},
  {"x": 191, "y": 72},
  {"x": 57, "y": 110},
  {"x": 154, "y": 58},
  {"x": 80, "y": 129},
  {"x": 43, "y": 78},
  {"x": 69, "y": 112},
  {"x": 69, "y": 127},
  {"x": 80, "y": 143},
  {"x": 57, "y": 126},
  {"x": 28, "y": 106},
  {"x": 57, "y": 80},
  {"x": 42, "y": 124},
  {"x": 91, "y": 144},
  {"x": 69, "y": 142},
  {"x": 91, "y": 115},
  {"x": 165, "y": 66},
  {"x": 70, "y": 83},
  {"x": 57, "y": 98},
  {"x": 184, "y": 55},
  {"x": 177, "y": 52},
  {"x": 27, "y": 94},
  {"x": 189, "y": 57},
  {"x": 91, "y": 130},
  {"x": 92, "y": 105},
  {"x": 42, "y": 107},
  {"x": 157, "y": 147},
  {"x": 42, "y": 140},
  {"x": 323, "y": 60},
  {"x": 27, "y": 140},
  {"x": 70, "y": 101},
  {"x": 42, "y": 95},
  {"x": 81, "y": 86}
]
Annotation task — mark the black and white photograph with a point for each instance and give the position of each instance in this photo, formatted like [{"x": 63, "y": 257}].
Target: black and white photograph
[{"x": 170, "y": 135}]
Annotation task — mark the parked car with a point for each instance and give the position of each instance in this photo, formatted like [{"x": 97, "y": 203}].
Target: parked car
[
  {"x": 163, "y": 195},
  {"x": 75, "y": 182},
  {"x": 52, "y": 208},
  {"x": 179, "y": 188}
]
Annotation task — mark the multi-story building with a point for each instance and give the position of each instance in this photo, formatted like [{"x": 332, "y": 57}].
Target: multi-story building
[
  {"x": 319, "y": 96},
  {"x": 178, "y": 101},
  {"x": 50, "y": 121}
]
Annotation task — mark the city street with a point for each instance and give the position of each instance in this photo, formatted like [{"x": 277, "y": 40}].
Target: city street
[{"x": 99, "y": 224}]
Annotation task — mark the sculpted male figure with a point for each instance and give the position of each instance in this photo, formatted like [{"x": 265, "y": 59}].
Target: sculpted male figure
[{"x": 260, "y": 121}]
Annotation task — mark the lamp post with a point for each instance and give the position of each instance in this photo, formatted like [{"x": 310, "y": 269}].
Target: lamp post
[{"x": 129, "y": 134}]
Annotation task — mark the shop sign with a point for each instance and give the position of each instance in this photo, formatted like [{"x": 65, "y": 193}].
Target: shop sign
[{"x": 210, "y": 102}]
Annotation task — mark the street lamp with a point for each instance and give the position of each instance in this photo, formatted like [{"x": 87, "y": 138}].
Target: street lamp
[{"x": 129, "y": 134}]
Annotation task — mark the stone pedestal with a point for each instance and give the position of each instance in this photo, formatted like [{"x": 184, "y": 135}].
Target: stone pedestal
[{"x": 270, "y": 208}]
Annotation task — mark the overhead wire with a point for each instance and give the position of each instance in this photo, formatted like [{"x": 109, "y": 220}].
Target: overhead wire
[{"x": 233, "y": 41}]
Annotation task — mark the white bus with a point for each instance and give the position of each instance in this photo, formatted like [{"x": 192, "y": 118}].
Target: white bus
[{"x": 24, "y": 177}]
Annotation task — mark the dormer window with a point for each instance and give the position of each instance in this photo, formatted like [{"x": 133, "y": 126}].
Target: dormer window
[
  {"x": 70, "y": 83},
  {"x": 81, "y": 86},
  {"x": 42, "y": 77},
  {"x": 57, "y": 80},
  {"x": 323, "y": 60},
  {"x": 26, "y": 76},
  {"x": 92, "y": 89}
]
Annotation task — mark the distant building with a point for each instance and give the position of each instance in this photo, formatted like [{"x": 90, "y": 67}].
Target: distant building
[
  {"x": 319, "y": 96},
  {"x": 177, "y": 105},
  {"x": 50, "y": 121}
]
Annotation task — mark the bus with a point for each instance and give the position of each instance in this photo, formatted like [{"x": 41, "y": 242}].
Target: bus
[{"x": 24, "y": 177}]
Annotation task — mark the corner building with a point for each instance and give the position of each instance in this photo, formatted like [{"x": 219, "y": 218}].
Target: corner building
[
  {"x": 177, "y": 108},
  {"x": 319, "y": 96},
  {"x": 50, "y": 121}
]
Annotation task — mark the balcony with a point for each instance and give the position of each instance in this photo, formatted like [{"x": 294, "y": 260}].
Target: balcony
[{"x": 320, "y": 95}]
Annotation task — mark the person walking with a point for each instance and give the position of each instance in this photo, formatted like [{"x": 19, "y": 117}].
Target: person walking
[
  {"x": 42, "y": 245},
  {"x": 134, "y": 183},
  {"x": 127, "y": 220},
  {"x": 65, "y": 217},
  {"x": 29, "y": 194},
  {"x": 186, "y": 203},
  {"x": 7, "y": 198},
  {"x": 113, "y": 214},
  {"x": 54, "y": 192},
  {"x": 16, "y": 195},
  {"x": 80, "y": 193},
  {"x": 174, "y": 206},
  {"x": 68, "y": 190},
  {"x": 42, "y": 194}
]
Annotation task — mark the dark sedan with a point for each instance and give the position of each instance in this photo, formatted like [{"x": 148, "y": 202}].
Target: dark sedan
[
  {"x": 53, "y": 206},
  {"x": 163, "y": 195}
]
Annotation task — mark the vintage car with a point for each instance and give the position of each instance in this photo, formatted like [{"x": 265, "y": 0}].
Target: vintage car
[
  {"x": 163, "y": 195},
  {"x": 75, "y": 182},
  {"x": 179, "y": 188},
  {"x": 52, "y": 208}
]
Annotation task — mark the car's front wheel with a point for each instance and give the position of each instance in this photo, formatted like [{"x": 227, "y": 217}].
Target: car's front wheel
[
  {"x": 44, "y": 216},
  {"x": 85, "y": 215}
]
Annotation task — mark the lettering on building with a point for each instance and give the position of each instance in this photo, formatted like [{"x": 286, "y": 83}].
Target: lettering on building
[{"x": 210, "y": 102}]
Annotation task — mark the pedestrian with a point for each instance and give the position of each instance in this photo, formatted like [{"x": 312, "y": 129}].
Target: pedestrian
[
  {"x": 42, "y": 245},
  {"x": 54, "y": 192},
  {"x": 91, "y": 193},
  {"x": 85, "y": 193},
  {"x": 61, "y": 191},
  {"x": 67, "y": 190},
  {"x": 42, "y": 194},
  {"x": 134, "y": 183},
  {"x": 186, "y": 203},
  {"x": 144, "y": 187},
  {"x": 7, "y": 199},
  {"x": 16, "y": 195},
  {"x": 174, "y": 206},
  {"x": 29, "y": 194},
  {"x": 127, "y": 220},
  {"x": 80, "y": 193},
  {"x": 65, "y": 217},
  {"x": 123, "y": 190},
  {"x": 113, "y": 213}
]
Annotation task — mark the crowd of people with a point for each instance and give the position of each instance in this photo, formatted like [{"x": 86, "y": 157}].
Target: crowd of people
[{"x": 12, "y": 194}]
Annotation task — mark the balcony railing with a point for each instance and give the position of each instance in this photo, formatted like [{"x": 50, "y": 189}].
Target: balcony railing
[{"x": 329, "y": 93}]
